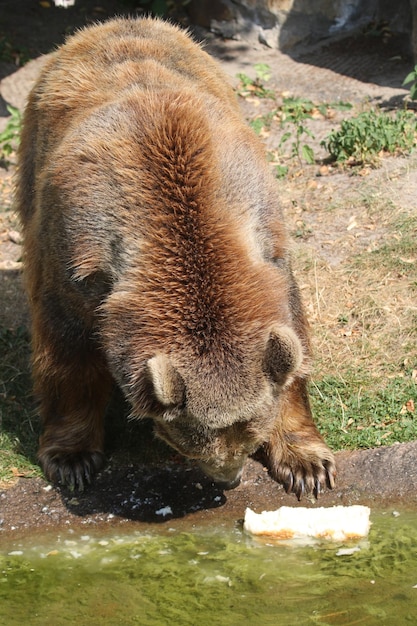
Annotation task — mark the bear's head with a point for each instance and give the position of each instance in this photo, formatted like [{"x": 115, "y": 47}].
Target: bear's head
[{"x": 218, "y": 412}]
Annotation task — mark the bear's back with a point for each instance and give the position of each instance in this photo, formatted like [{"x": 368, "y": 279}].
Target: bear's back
[{"x": 101, "y": 64}]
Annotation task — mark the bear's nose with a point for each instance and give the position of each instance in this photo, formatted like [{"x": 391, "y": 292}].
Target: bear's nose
[
  {"x": 229, "y": 484},
  {"x": 226, "y": 477}
]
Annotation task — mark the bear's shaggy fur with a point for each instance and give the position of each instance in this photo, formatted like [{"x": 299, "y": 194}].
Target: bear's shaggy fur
[{"x": 156, "y": 257}]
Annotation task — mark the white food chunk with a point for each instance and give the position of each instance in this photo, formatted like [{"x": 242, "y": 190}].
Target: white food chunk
[{"x": 337, "y": 523}]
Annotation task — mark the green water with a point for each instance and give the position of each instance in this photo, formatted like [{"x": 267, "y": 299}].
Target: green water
[{"x": 211, "y": 578}]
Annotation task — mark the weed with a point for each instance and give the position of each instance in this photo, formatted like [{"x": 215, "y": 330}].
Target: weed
[
  {"x": 9, "y": 138},
  {"x": 262, "y": 122},
  {"x": 362, "y": 139},
  {"x": 302, "y": 231},
  {"x": 293, "y": 114},
  {"x": 281, "y": 171},
  {"x": 297, "y": 111},
  {"x": 255, "y": 87},
  {"x": 263, "y": 71},
  {"x": 412, "y": 78},
  {"x": 326, "y": 107}
]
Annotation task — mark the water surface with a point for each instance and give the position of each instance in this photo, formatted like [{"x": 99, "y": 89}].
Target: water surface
[{"x": 211, "y": 577}]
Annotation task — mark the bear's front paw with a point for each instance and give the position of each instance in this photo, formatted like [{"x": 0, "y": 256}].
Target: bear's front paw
[
  {"x": 302, "y": 478},
  {"x": 302, "y": 467},
  {"x": 71, "y": 470}
]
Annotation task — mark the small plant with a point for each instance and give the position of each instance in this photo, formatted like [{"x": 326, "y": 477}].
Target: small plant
[
  {"x": 297, "y": 111},
  {"x": 9, "y": 138},
  {"x": 263, "y": 71},
  {"x": 362, "y": 139},
  {"x": 302, "y": 231},
  {"x": 412, "y": 78},
  {"x": 281, "y": 171},
  {"x": 255, "y": 87},
  {"x": 263, "y": 122}
]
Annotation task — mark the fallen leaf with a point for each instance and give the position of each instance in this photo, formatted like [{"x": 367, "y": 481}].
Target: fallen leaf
[
  {"x": 263, "y": 134},
  {"x": 18, "y": 474},
  {"x": 254, "y": 101},
  {"x": 410, "y": 405},
  {"x": 387, "y": 434}
]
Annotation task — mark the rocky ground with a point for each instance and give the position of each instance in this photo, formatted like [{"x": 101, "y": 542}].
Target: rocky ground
[{"x": 350, "y": 71}]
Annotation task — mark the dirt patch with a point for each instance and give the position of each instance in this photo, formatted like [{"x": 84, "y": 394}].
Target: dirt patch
[{"x": 333, "y": 215}]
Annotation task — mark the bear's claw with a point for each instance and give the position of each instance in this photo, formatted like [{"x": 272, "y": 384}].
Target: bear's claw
[
  {"x": 305, "y": 478},
  {"x": 72, "y": 471}
]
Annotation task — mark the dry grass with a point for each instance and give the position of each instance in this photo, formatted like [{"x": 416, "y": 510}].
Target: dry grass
[
  {"x": 357, "y": 268},
  {"x": 356, "y": 262}
]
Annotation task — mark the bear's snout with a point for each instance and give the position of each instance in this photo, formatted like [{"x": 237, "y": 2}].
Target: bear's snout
[
  {"x": 231, "y": 484},
  {"x": 225, "y": 477}
]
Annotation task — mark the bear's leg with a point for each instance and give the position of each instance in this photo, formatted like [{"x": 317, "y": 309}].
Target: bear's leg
[
  {"x": 296, "y": 454},
  {"x": 73, "y": 385}
]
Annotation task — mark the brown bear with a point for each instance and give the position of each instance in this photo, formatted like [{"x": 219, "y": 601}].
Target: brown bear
[{"x": 156, "y": 256}]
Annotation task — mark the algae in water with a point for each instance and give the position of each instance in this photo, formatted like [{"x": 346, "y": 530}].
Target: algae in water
[{"x": 207, "y": 578}]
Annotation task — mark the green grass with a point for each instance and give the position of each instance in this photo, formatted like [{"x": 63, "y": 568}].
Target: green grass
[
  {"x": 19, "y": 426},
  {"x": 362, "y": 412},
  {"x": 10, "y": 137}
]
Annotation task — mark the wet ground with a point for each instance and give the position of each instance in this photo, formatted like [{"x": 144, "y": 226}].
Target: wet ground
[{"x": 122, "y": 497}]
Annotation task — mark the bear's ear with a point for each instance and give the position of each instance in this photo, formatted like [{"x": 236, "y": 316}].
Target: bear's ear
[
  {"x": 167, "y": 383},
  {"x": 283, "y": 354}
]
